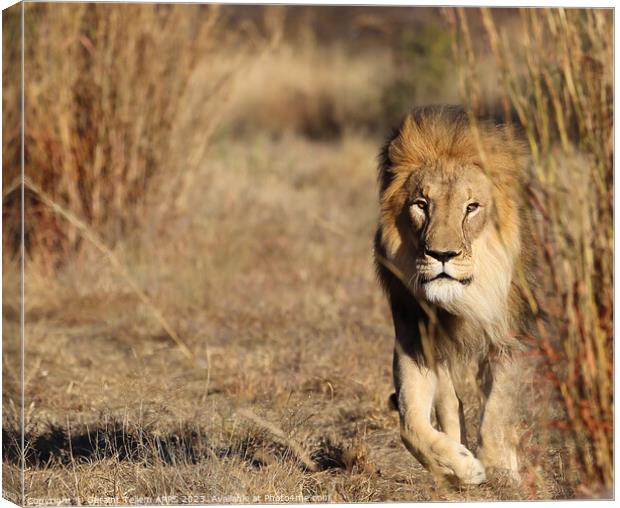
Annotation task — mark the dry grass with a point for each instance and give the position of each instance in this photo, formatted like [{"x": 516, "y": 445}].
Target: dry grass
[
  {"x": 107, "y": 126},
  {"x": 264, "y": 272},
  {"x": 316, "y": 90}
]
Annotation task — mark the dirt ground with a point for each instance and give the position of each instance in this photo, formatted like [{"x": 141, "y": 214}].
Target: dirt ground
[{"x": 270, "y": 283}]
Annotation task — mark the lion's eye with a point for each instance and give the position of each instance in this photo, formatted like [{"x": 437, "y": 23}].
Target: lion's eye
[
  {"x": 472, "y": 207},
  {"x": 421, "y": 204}
]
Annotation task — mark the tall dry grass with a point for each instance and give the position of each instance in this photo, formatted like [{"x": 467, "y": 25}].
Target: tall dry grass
[
  {"x": 121, "y": 101},
  {"x": 556, "y": 81}
]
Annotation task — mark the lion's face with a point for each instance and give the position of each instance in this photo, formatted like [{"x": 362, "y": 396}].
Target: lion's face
[
  {"x": 449, "y": 208},
  {"x": 449, "y": 222}
]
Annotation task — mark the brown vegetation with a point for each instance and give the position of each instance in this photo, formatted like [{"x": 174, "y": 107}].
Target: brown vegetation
[{"x": 236, "y": 191}]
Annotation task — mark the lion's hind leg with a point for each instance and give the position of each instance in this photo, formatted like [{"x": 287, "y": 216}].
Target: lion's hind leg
[{"x": 498, "y": 429}]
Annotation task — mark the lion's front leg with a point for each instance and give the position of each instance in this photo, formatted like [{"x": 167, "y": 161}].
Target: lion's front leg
[
  {"x": 448, "y": 407},
  {"x": 498, "y": 430},
  {"x": 439, "y": 453}
]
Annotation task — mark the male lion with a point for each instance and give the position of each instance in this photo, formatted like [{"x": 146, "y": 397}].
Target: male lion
[{"x": 447, "y": 250}]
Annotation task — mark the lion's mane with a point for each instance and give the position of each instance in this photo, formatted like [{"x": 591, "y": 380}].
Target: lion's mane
[{"x": 490, "y": 313}]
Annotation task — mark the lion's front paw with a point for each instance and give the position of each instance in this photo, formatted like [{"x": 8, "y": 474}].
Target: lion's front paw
[{"x": 454, "y": 460}]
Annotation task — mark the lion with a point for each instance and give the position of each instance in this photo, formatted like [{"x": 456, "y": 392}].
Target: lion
[{"x": 448, "y": 253}]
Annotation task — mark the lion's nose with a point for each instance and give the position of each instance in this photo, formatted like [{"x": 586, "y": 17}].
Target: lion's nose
[{"x": 443, "y": 255}]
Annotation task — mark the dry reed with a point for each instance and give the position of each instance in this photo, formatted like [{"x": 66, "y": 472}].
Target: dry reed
[
  {"x": 113, "y": 120},
  {"x": 557, "y": 81}
]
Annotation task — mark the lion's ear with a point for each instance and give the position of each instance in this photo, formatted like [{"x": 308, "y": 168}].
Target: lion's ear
[
  {"x": 407, "y": 129},
  {"x": 399, "y": 148}
]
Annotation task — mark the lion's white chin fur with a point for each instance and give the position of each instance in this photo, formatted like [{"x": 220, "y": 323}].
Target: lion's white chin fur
[{"x": 443, "y": 292}]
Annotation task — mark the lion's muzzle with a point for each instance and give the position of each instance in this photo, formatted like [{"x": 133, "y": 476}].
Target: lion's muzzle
[{"x": 443, "y": 256}]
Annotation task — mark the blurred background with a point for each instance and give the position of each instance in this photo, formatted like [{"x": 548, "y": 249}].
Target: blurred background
[{"x": 202, "y": 317}]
